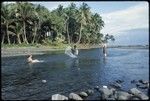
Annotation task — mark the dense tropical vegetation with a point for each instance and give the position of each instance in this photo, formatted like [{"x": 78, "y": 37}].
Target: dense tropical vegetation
[{"x": 27, "y": 23}]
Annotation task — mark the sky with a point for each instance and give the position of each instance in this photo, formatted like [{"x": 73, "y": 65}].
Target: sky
[{"x": 119, "y": 16}]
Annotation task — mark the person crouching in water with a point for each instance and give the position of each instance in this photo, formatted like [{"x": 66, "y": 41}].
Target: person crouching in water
[
  {"x": 104, "y": 49},
  {"x": 74, "y": 50},
  {"x": 30, "y": 60}
]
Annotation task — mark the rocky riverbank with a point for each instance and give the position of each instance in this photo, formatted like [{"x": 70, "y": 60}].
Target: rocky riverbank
[{"x": 109, "y": 92}]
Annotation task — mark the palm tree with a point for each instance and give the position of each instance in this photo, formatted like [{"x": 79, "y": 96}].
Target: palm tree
[
  {"x": 60, "y": 10},
  {"x": 41, "y": 15},
  {"x": 83, "y": 18},
  {"x": 108, "y": 37},
  {"x": 32, "y": 22},
  {"x": 61, "y": 21},
  {"x": 3, "y": 33},
  {"x": 36, "y": 24},
  {"x": 18, "y": 31},
  {"x": 97, "y": 22},
  {"x": 66, "y": 25},
  {"x": 25, "y": 11},
  {"x": 7, "y": 19}
]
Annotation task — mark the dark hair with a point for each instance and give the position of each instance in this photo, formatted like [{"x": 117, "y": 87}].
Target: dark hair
[{"x": 30, "y": 55}]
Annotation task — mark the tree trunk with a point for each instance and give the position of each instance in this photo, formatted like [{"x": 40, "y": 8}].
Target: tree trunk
[
  {"x": 35, "y": 30},
  {"x": 3, "y": 37},
  {"x": 18, "y": 39},
  {"x": 67, "y": 33},
  {"x": 37, "y": 39},
  {"x": 25, "y": 37},
  {"x": 13, "y": 40},
  {"x": 88, "y": 41},
  {"x": 8, "y": 39},
  {"x": 80, "y": 34}
]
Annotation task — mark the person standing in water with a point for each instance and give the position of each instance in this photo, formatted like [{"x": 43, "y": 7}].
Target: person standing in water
[
  {"x": 74, "y": 50},
  {"x": 104, "y": 49}
]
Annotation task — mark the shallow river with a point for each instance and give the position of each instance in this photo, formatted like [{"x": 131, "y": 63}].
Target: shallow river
[{"x": 64, "y": 75}]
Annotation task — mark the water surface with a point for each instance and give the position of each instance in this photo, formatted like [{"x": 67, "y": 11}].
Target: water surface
[{"x": 64, "y": 75}]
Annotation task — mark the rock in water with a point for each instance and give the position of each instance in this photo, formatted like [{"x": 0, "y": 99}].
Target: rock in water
[
  {"x": 74, "y": 96},
  {"x": 138, "y": 84},
  {"x": 141, "y": 81},
  {"x": 134, "y": 98},
  {"x": 116, "y": 85},
  {"x": 113, "y": 90},
  {"x": 145, "y": 82},
  {"x": 90, "y": 92},
  {"x": 83, "y": 94},
  {"x": 104, "y": 86},
  {"x": 143, "y": 87},
  {"x": 109, "y": 99},
  {"x": 105, "y": 92},
  {"x": 97, "y": 88},
  {"x": 138, "y": 93},
  {"x": 59, "y": 97},
  {"x": 119, "y": 81},
  {"x": 134, "y": 81},
  {"x": 44, "y": 81},
  {"x": 134, "y": 91},
  {"x": 123, "y": 95}
]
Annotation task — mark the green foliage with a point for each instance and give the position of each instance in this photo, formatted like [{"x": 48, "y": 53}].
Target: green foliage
[{"x": 24, "y": 23}]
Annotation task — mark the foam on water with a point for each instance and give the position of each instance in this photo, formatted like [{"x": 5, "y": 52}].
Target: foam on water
[{"x": 69, "y": 53}]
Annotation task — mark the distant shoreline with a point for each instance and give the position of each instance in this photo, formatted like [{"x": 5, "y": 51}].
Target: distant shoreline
[
  {"x": 23, "y": 51},
  {"x": 129, "y": 46}
]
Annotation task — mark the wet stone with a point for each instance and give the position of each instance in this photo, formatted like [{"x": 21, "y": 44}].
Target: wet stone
[
  {"x": 134, "y": 81},
  {"x": 143, "y": 87},
  {"x": 134, "y": 98},
  {"x": 59, "y": 97},
  {"x": 140, "y": 80},
  {"x": 74, "y": 96},
  {"x": 90, "y": 92},
  {"x": 83, "y": 94},
  {"x": 138, "y": 93},
  {"x": 121, "y": 95},
  {"x": 119, "y": 81},
  {"x": 110, "y": 99},
  {"x": 96, "y": 88},
  {"x": 105, "y": 93},
  {"x": 116, "y": 85}
]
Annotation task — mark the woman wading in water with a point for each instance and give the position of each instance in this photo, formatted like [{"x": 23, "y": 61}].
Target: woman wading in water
[{"x": 30, "y": 60}]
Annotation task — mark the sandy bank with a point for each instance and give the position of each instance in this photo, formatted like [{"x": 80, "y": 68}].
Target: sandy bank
[{"x": 17, "y": 51}]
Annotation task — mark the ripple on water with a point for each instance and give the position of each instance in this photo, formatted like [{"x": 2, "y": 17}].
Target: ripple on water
[{"x": 24, "y": 81}]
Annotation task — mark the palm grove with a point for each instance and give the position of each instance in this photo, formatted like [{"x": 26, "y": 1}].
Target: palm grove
[{"x": 24, "y": 22}]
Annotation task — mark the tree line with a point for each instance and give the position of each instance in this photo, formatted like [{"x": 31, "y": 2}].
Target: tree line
[{"x": 24, "y": 22}]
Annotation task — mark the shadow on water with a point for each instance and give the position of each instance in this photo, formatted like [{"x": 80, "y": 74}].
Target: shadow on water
[{"x": 64, "y": 75}]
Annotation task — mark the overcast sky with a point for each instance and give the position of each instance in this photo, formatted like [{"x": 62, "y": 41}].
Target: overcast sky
[{"x": 118, "y": 16}]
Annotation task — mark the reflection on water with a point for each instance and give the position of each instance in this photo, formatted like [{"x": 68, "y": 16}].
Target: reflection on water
[
  {"x": 104, "y": 60},
  {"x": 64, "y": 75}
]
